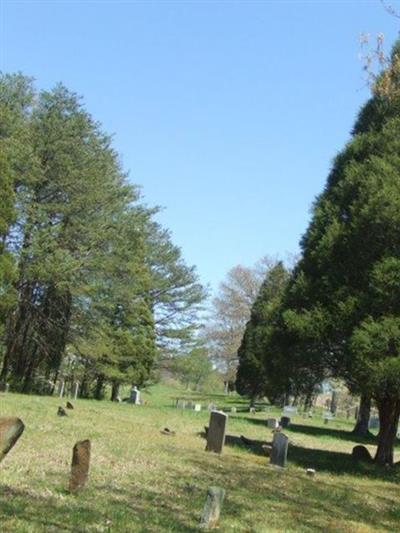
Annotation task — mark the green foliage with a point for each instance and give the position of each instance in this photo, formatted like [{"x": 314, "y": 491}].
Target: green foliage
[{"x": 193, "y": 368}]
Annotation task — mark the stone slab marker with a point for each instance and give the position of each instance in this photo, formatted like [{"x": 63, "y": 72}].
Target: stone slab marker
[
  {"x": 80, "y": 465},
  {"x": 212, "y": 508},
  {"x": 272, "y": 423},
  {"x": 216, "y": 431},
  {"x": 279, "y": 450},
  {"x": 285, "y": 421},
  {"x": 11, "y": 429}
]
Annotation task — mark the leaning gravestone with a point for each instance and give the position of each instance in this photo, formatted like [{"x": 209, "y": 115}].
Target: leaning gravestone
[
  {"x": 216, "y": 432},
  {"x": 11, "y": 429},
  {"x": 279, "y": 450},
  {"x": 135, "y": 396},
  {"x": 272, "y": 423},
  {"x": 285, "y": 421},
  {"x": 80, "y": 465},
  {"x": 212, "y": 508},
  {"x": 197, "y": 406}
]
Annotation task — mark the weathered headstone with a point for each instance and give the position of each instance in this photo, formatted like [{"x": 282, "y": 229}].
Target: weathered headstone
[
  {"x": 272, "y": 423},
  {"x": 135, "y": 396},
  {"x": 212, "y": 508},
  {"x": 279, "y": 450},
  {"x": 285, "y": 421},
  {"x": 197, "y": 406},
  {"x": 361, "y": 453},
  {"x": 252, "y": 410},
  {"x": 233, "y": 410},
  {"x": 69, "y": 405},
  {"x": 310, "y": 472},
  {"x": 61, "y": 411},
  {"x": 212, "y": 407},
  {"x": 216, "y": 432},
  {"x": 80, "y": 465},
  {"x": 11, "y": 429}
]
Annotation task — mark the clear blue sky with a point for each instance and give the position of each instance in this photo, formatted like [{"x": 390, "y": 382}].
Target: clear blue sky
[{"x": 227, "y": 113}]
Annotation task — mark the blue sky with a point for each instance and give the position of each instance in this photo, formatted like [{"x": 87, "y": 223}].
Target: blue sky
[{"x": 228, "y": 114}]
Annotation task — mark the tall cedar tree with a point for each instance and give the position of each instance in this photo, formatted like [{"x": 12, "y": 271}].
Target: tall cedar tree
[
  {"x": 342, "y": 310},
  {"x": 254, "y": 370}
]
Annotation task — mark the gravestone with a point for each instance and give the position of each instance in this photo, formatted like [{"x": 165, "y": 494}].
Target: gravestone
[
  {"x": 252, "y": 410},
  {"x": 135, "y": 396},
  {"x": 233, "y": 410},
  {"x": 272, "y": 423},
  {"x": 289, "y": 409},
  {"x": 61, "y": 411},
  {"x": 11, "y": 429},
  {"x": 80, "y": 465},
  {"x": 373, "y": 422},
  {"x": 285, "y": 421},
  {"x": 216, "y": 432},
  {"x": 279, "y": 450},
  {"x": 361, "y": 453},
  {"x": 212, "y": 508},
  {"x": 69, "y": 405},
  {"x": 212, "y": 407},
  {"x": 197, "y": 406}
]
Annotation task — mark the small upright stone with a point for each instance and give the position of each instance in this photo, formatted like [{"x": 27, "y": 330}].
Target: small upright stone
[
  {"x": 135, "y": 396},
  {"x": 61, "y": 411},
  {"x": 233, "y": 410},
  {"x": 252, "y": 410},
  {"x": 80, "y": 465},
  {"x": 212, "y": 508},
  {"x": 11, "y": 429},
  {"x": 279, "y": 450},
  {"x": 285, "y": 421},
  {"x": 272, "y": 423},
  {"x": 69, "y": 405},
  {"x": 216, "y": 432},
  {"x": 310, "y": 472},
  {"x": 197, "y": 406},
  {"x": 361, "y": 453}
]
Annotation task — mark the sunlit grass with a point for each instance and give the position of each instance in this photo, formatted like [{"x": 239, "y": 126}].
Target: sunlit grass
[{"x": 143, "y": 481}]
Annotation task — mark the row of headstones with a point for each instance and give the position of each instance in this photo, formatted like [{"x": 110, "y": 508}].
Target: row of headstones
[
  {"x": 11, "y": 429},
  {"x": 217, "y": 431},
  {"x": 188, "y": 404}
]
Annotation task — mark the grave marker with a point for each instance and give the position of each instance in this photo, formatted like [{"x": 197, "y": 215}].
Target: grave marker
[
  {"x": 11, "y": 429},
  {"x": 279, "y": 450},
  {"x": 212, "y": 508},
  {"x": 216, "y": 432},
  {"x": 272, "y": 423},
  {"x": 80, "y": 465}
]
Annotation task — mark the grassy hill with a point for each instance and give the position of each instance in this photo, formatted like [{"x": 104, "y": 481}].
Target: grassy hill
[{"x": 144, "y": 481}]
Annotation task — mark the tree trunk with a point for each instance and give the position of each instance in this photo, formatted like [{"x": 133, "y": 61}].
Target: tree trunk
[
  {"x": 389, "y": 412},
  {"x": 115, "y": 391},
  {"x": 361, "y": 427}
]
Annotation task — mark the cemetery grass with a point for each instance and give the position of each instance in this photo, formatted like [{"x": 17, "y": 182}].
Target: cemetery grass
[{"x": 143, "y": 481}]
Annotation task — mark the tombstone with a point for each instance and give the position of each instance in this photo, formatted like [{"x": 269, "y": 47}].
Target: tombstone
[
  {"x": 80, "y": 465},
  {"x": 279, "y": 450},
  {"x": 233, "y": 410},
  {"x": 197, "y": 406},
  {"x": 310, "y": 472},
  {"x": 272, "y": 423},
  {"x": 212, "y": 407},
  {"x": 361, "y": 453},
  {"x": 212, "y": 508},
  {"x": 61, "y": 412},
  {"x": 284, "y": 421},
  {"x": 135, "y": 396},
  {"x": 76, "y": 390},
  {"x": 216, "y": 431},
  {"x": 7, "y": 387},
  {"x": 69, "y": 405},
  {"x": 11, "y": 429},
  {"x": 373, "y": 422},
  {"x": 252, "y": 410}
]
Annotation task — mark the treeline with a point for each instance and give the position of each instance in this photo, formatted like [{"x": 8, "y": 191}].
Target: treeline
[
  {"x": 338, "y": 313},
  {"x": 91, "y": 287}
]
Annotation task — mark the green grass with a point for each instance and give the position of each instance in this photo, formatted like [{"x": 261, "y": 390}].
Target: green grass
[{"x": 143, "y": 481}]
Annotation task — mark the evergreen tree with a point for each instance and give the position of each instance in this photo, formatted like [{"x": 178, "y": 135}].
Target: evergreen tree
[{"x": 341, "y": 311}]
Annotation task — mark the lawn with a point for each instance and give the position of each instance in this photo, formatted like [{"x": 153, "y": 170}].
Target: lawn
[{"x": 144, "y": 481}]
